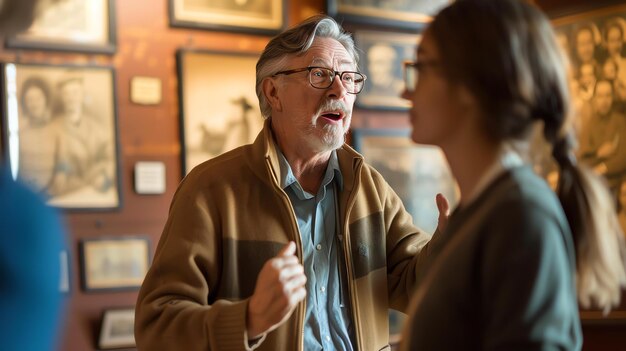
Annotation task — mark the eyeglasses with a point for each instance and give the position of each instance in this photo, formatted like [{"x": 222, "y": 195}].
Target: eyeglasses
[
  {"x": 411, "y": 72},
  {"x": 323, "y": 78}
]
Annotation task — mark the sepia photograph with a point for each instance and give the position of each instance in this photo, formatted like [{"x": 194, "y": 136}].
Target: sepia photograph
[
  {"x": 71, "y": 25},
  {"x": 60, "y": 133},
  {"x": 117, "y": 329},
  {"x": 250, "y": 16},
  {"x": 412, "y": 14},
  {"x": 595, "y": 45},
  {"x": 219, "y": 107},
  {"x": 381, "y": 61},
  {"x": 118, "y": 263}
]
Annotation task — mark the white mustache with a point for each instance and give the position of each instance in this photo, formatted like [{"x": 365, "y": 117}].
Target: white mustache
[{"x": 333, "y": 105}]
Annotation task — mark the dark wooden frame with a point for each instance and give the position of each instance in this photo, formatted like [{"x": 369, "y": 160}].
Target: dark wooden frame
[
  {"x": 24, "y": 41},
  {"x": 233, "y": 23}
]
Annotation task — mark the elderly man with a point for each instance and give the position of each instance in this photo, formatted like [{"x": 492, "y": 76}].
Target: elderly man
[{"x": 292, "y": 242}]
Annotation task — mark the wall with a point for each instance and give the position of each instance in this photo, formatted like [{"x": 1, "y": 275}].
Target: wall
[{"x": 146, "y": 47}]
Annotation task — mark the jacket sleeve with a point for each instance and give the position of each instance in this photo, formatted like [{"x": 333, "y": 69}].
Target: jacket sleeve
[
  {"x": 174, "y": 309},
  {"x": 408, "y": 250}
]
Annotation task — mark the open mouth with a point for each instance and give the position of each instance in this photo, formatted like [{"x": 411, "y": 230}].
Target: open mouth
[{"x": 334, "y": 116}]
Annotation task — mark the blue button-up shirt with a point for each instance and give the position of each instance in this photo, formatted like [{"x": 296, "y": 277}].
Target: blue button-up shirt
[{"x": 328, "y": 324}]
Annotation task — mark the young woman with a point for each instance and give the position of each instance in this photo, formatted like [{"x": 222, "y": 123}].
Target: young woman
[{"x": 506, "y": 269}]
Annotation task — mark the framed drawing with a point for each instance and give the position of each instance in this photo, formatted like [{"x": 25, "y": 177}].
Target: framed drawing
[
  {"x": 249, "y": 16},
  {"x": 117, "y": 329},
  {"x": 390, "y": 13},
  {"x": 381, "y": 62},
  {"x": 416, "y": 173},
  {"x": 218, "y": 104},
  {"x": 60, "y": 132},
  {"x": 595, "y": 44},
  {"x": 114, "y": 263},
  {"x": 71, "y": 25}
]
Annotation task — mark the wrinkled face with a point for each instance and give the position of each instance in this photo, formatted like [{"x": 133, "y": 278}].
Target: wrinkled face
[
  {"x": 614, "y": 41},
  {"x": 603, "y": 98},
  {"x": 435, "y": 111},
  {"x": 36, "y": 104},
  {"x": 308, "y": 117},
  {"x": 584, "y": 45}
]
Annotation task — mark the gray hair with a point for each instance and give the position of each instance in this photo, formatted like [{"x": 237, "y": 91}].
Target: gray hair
[{"x": 297, "y": 40}]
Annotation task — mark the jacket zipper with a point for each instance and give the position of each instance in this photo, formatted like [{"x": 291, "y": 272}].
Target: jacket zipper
[{"x": 298, "y": 241}]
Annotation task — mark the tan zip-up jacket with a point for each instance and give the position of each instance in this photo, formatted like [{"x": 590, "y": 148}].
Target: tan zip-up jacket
[{"x": 229, "y": 216}]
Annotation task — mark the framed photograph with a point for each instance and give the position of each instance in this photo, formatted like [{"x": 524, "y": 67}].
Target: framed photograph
[
  {"x": 250, "y": 16},
  {"x": 381, "y": 62},
  {"x": 118, "y": 263},
  {"x": 118, "y": 329},
  {"x": 404, "y": 14},
  {"x": 218, "y": 104},
  {"x": 595, "y": 44},
  {"x": 416, "y": 173},
  {"x": 71, "y": 25},
  {"x": 60, "y": 133}
]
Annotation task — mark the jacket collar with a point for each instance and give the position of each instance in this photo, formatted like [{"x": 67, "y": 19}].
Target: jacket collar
[{"x": 263, "y": 159}]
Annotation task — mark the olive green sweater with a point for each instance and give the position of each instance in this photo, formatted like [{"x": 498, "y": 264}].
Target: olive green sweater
[{"x": 229, "y": 216}]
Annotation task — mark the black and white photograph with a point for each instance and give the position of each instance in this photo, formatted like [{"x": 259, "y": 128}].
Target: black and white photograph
[
  {"x": 71, "y": 25},
  {"x": 60, "y": 133},
  {"x": 251, "y": 16},
  {"x": 219, "y": 107},
  {"x": 381, "y": 61},
  {"x": 390, "y": 13},
  {"x": 117, "y": 329}
]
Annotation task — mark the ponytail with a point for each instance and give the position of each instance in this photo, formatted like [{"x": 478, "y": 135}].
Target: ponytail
[{"x": 598, "y": 239}]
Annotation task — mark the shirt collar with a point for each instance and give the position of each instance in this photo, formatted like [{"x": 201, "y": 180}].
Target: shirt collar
[{"x": 332, "y": 171}]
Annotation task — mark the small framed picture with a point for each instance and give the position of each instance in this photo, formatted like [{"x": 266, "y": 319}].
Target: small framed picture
[
  {"x": 71, "y": 25},
  {"x": 118, "y": 329},
  {"x": 403, "y": 14},
  {"x": 60, "y": 133},
  {"x": 114, "y": 263},
  {"x": 249, "y": 16},
  {"x": 381, "y": 61},
  {"x": 64, "y": 276},
  {"x": 224, "y": 84}
]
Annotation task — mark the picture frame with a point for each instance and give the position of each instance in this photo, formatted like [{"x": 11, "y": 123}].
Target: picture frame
[
  {"x": 397, "y": 14},
  {"x": 114, "y": 263},
  {"x": 224, "y": 84},
  {"x": 71, "y": 25},
  {"x": 594, "y": 43},
  {"x": 264, "y": 17},
  {"x": 382, "y": 63},
  {"x": 117, "y": 329},
  {"x": 59, "y": 125},
  {"x": 416, "y": 173}
]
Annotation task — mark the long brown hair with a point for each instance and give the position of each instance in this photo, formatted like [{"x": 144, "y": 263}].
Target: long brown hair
[{"x": 506, "y": 53}]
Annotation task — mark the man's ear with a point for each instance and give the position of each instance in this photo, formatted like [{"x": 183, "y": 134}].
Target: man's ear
[{"x": 270, "y": 90}]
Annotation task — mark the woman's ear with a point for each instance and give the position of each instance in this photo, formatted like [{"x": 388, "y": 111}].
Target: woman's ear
[{"x": 270, "y": 90}]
